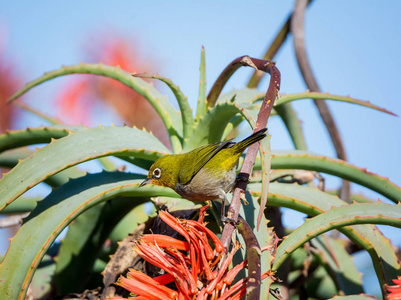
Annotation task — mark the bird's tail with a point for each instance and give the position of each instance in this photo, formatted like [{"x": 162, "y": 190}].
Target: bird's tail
[{"x": 255, "y": 137}]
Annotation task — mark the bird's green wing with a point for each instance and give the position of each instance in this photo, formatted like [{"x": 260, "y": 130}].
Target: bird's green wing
[{"x": 197, "y": 158}]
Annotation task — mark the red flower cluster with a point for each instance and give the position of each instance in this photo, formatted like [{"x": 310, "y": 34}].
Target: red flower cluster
[
  {"x": 394, "y": 291},
  {"x": 193, "y": 265}
]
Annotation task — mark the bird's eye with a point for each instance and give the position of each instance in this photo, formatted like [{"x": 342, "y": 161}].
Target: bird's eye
[{"x": 157, "y": 173}]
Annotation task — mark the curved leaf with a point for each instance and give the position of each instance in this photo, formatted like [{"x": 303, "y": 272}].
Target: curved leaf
[
  {"x": 31, "y": 136},
  {"x": 322, "y": 96},
  {"x": 232, "y": 125},
  {"x": 312, "y": 201},
  {"x": 37, "y": 113},
  {"x": 54, "y": 213},
  {"x": 336, "y": 167},
  {"x": 84, "y": 242},
  {"x": 11, "y": 158},
  {"x": 185, "y": 109},
  {"x": 337, "y": 217},
  {"x": 211, "y": 126},
  {"x": 293, "y": 125},
  {"x": 247, "y": 95},
  {"x": 76, "y": 148},
  {"x": 170, "y": 117},
  {"x": 354, "y": 297},
  {"x": 333, "y": 255},
  {"x": 265, "y": 238}
]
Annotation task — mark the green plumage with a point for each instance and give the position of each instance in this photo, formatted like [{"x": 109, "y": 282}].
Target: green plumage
[{"x": 205, "y": 173}]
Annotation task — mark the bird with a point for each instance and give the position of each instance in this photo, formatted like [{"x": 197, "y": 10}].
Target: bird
[{"x": 205, "y": 173}]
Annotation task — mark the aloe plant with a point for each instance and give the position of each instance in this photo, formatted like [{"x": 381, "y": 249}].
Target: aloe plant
[{"x": 93, "y": 206}]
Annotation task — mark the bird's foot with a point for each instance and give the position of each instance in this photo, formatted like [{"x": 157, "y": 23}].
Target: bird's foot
[
  {"x": 242, "y": 178},
  {"x": 225, "y": 220}
]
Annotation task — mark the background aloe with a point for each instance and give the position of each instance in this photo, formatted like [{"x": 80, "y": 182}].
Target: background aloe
[{"x": 102, "y": 208}]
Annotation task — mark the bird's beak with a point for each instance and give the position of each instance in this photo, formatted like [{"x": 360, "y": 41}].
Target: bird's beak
[{"x": 145, "y": 182}]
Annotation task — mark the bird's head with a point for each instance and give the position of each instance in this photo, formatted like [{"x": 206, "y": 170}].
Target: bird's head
[{"x": 163, "y": 172}]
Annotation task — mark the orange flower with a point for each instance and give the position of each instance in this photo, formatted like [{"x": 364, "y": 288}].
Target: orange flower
[
  {"x": 194, "y": 265},
  {"x": 394, "y": 291}
]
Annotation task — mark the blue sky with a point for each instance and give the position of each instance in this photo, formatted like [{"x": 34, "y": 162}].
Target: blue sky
[{"x": 353, "y": 47}]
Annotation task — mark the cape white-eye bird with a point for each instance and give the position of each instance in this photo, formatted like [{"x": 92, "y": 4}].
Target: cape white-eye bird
[{"x": 205, "y": 173}]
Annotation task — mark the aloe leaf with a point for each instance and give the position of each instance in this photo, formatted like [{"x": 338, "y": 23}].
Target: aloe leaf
[
  {"x": 266, "y": 160},
  {"x": 312, "y": 201},
  {"x": 54, "y": 213},
  {"x": 244, "y": 95},
  {"x": 320, "y": 285},
  {"x": 293, "y": 125},
  {"x": 337, "y": 217},
  {"x": 42, "y": 281},
  {"x": 202, "y": 104},
  {"x": 37, "y": 113},
  {"x": 76, "y": 148},
  {"x": 31, "y": 136},
  {"x": 22, "y": 205},
  {"x": 139, "y": 162},
  {"x": 84, "y": 242},
  {"x": 232, "y": 125},
  {"x": 11, "y": 158},
  {"x": 211, "y": 126},
  {"x": 322, "y": 96},
  {"x": 185, "y": 109},
  {"x": 170, "y": 117},
  {"x": 264, "y": 237},
  {"x": 336, "y": 167},
  {"x": 354, "y": 297},
  {"x": 338, "y": 260},
  {"x": 130, "y": 222}
]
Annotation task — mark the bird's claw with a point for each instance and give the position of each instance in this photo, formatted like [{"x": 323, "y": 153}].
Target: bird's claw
[
  {"x": 226, "y": 220},
  {"x": 242, "y": 178}
]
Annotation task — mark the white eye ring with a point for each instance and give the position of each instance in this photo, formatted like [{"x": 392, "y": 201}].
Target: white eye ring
[{"x": 157, "y": 173}]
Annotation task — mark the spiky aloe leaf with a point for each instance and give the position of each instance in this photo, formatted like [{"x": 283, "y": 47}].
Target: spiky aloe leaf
[
  {"x": 42, "y": 281},
  {"x": 232, "y": 125},
  {"x": 170, "y": 117},
  {"x": 243, "y": 95},
  {"x": 23, "y": 205},
  {"x": 185, "y": 109},
  {"x": 76, "y": 148},
  {"x": 37, "y": 113},
  {"x": 202, "y": 104},
  {"x": 11, "y": 158},
  {"x": 335, "y": 257},
  {"x": 130, "y": 222},
  {"x": 251, "y": 213},
  {"x": 323, "y": 96},
  {"x": 337, "y": 217},
  {"x": 84, "y": 242},
  {"x": 31, "y": 136},
  {"x": 54, "y": 213},
  {"x": 266, "y": 161},
  {"x": 257, "y": 96},
  {"x": 336, "y": 167},
  {"x": 211, "y": 126},
  {"x": 311, "y": 201},
  {"x": 293, "y": 124},
  {"x": 354, "y": 297}
]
